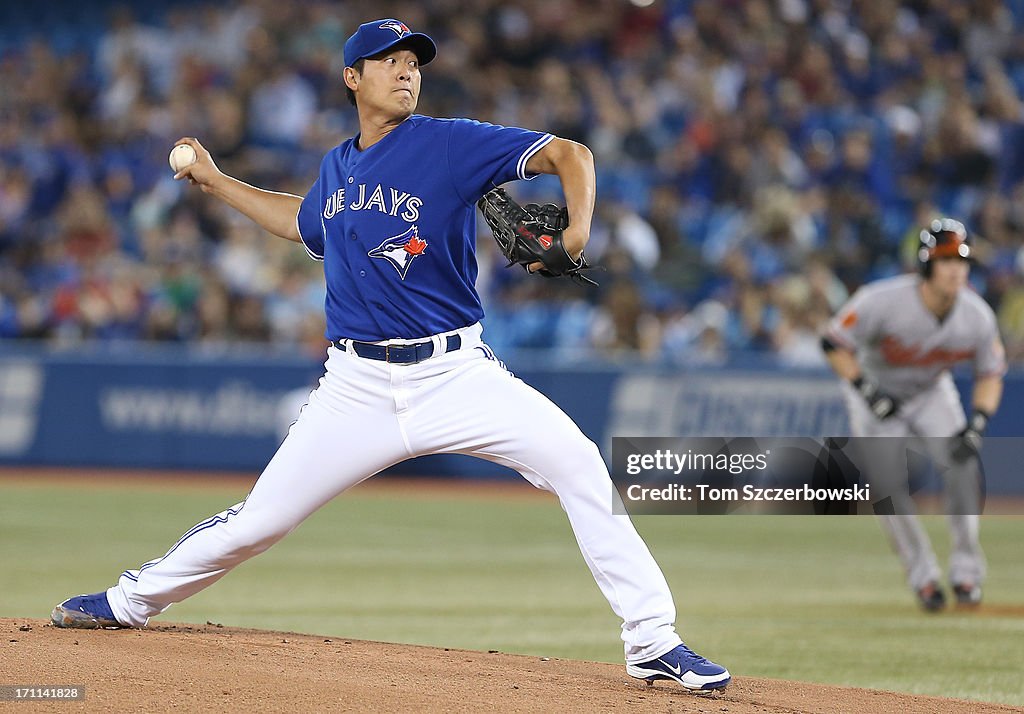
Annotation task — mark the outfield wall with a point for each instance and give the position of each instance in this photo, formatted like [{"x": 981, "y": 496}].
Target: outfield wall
[{"x": 157, "y": 407}]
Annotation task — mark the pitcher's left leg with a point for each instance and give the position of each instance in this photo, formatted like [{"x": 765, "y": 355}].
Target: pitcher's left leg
[
  {"x": 516, "y": 426},
  {"x": 570, "y": 465}
]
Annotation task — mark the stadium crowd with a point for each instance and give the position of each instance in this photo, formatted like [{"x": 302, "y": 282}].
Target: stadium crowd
[{"x": 757, "y": 159}]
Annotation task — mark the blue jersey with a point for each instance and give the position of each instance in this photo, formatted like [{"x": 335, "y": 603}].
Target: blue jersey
[{"x": 395, "y": 224}]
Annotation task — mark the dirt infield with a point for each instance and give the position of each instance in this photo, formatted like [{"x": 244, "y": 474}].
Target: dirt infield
[{"x": 202, "y": 668}]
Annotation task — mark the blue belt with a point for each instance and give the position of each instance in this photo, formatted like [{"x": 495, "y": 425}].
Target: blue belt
[{"x": 398, "y": 354}]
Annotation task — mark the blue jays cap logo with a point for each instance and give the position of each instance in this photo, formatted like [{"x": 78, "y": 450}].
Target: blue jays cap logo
[
  {"x": 401, "y": 250},
  {"x": 399, "y": 28},
  {"x": 380, "y": 35}
]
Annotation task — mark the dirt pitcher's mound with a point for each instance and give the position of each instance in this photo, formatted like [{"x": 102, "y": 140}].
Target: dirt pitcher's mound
[{"x": 202, "y": 668}]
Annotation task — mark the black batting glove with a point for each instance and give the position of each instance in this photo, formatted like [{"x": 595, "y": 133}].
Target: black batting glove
[
  {"x": 882, "y": 405},
  {"x": 968, "y": 442}
]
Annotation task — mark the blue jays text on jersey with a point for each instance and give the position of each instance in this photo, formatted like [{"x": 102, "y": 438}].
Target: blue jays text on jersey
[
  {"x": 395, "y": 224},
  {"x": 336, "y": 202}
]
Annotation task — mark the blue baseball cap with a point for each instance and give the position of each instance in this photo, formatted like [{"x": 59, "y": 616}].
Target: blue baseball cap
[{"x": 374, "y": 37}]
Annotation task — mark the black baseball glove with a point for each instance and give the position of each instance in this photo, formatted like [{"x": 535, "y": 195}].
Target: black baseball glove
[
  {"x": 532, "y": 234},
  {"x": 882, "y": 404},
  {"x": 967, "y": 443}
]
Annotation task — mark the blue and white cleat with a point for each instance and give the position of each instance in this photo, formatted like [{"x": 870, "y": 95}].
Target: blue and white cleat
[
  {"x": 85, "y": 612},
  {"x": 684, "y": 666}
]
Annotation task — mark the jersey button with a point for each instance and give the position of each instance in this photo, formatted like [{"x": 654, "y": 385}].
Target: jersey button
[
  {"x": 362, "y": 273},
  {"x": 350, "y": 179},
  {"x": 354, "y": 236}
]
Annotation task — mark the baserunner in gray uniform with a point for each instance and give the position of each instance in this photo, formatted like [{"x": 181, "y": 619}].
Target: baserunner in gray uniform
[{"x": 893, "y": 344}]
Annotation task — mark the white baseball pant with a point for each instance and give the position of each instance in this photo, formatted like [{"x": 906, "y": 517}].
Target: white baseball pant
[{"x": 367, "y": 415}]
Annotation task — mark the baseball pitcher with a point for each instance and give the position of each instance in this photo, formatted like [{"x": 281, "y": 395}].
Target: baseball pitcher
[
  {"x": 893, "y": 345},
  {"x": 392, "y": 217}
]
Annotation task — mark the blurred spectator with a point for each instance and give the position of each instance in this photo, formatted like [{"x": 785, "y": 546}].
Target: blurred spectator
[
  {"x": 756, "y": 163},
  {"x": 697, "y": 338},
  {"x": 623, "y": 326},
  {"x": 281, "y": 108},
  {"x": 627, "y": 231},
  {"x": 802, "y": 316}
]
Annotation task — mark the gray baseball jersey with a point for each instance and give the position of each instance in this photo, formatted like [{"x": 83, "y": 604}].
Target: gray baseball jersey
[{"x": 904, "y": 347}]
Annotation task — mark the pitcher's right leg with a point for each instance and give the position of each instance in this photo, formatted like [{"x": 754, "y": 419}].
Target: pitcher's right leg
[{"x": 341, "y": 437}]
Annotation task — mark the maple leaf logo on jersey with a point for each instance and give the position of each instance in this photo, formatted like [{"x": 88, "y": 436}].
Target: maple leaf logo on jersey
[
  {"x": 399, "y": 28},
  {"x": 401, "y": 250},
  {"x": 415, "y": 246}
]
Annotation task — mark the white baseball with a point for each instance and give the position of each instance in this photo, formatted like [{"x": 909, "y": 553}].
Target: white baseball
[{"x": 181, "y": 156}]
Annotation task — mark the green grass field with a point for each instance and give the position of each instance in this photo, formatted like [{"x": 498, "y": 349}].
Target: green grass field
[{"x": 808, "y": 598}]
